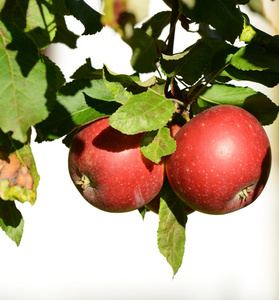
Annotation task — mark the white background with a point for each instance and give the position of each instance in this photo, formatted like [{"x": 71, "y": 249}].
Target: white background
[{"x": 70, "y": 250}]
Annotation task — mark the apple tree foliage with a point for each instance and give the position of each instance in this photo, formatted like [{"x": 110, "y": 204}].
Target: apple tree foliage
[{"x": 35, "y": 96}]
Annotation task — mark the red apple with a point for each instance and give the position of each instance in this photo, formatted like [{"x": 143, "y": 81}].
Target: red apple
[
  {"x": 110, "y": 172},
  {"x": 174, "y": 128},
  {"x": 222, "y": 160},
  {"x": 154, "y": 204}
]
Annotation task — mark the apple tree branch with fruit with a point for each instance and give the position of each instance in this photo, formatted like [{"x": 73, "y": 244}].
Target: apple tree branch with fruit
[{"x": 186, "y": 140}]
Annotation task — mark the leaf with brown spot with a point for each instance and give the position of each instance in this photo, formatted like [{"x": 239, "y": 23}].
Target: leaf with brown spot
[{"x": 18, "y": 175}]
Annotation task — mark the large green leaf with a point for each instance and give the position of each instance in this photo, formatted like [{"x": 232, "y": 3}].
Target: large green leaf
[
  {"x": 22, "y": 99},
  {"x": 143, "y": 112},
  {"x": 75, "y": 107},
  {"x": 11, "y": 220},
  {"x": 255, "y": 102},
  {"x": 83, "y": 100},
  {"x": 171, "y": 231}
]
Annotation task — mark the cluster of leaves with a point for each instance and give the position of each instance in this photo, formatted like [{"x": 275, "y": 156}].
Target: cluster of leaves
[{"x": 34, "y": 94}]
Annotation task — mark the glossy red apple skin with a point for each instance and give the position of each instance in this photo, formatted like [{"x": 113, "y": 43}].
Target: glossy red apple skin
[
  {"x": 110, "y": 172},
  {"x": 221, "y": 154}
]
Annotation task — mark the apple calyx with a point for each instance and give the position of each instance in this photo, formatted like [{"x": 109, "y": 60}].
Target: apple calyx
[
  {"x": 243, "y": 194},
  {"x": 84, "y": 182}
]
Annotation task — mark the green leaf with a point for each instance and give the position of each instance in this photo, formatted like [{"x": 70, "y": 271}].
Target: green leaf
[
  {"x": 41, "y": 26},
  {"x": 146, "y": 51},
  {"x": 266, "y": 77},
  {"x": 75, "y": 107},
  {"x": 18, "y": 175},
  {"x": 86, "y": 71},
  {"x": 255, "y": 102},
  {"x": 223, "y": 15},
  {"x": 107, "y": 91},
  {"x": 54, "y": 78},
  {"x": 155, "y": 25},
  {"x": 155, "y": 83},
  {"x": 171, "y": 231},
  {"x": 142, "y": 210},
  {"x": 63, "y": 35},
  {"x": 14, "y": 12},
  {"x": 254, "y": 36},
  {"x": 121, "y": 86},
  {"x": 84, "y": 100},
  {"x": 157, "y": 144},
  {"x": 90, "y": 18},
  {"x": 23, "y": 97},
  {"x": 255, "y": 58},
  {"x": 143, "y": 112},
  {"x": 13, "y": 38},
  {"x": 191, "y": 63},
  {"x": 35, "y": 19},
  {"x": 60, "y": 8},
  {"x": 11, "y": 221}
]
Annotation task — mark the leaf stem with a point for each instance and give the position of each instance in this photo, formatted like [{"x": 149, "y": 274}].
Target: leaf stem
[{"x": 177, "y": 101}]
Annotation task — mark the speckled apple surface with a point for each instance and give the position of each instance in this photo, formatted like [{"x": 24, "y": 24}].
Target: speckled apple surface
[
  {"x": 222, "y": 161},
  {"x": 109, "y": 170}
]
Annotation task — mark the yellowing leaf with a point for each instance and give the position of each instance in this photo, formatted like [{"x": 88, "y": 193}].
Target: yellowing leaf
[{"x": 18, "y": 175}]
